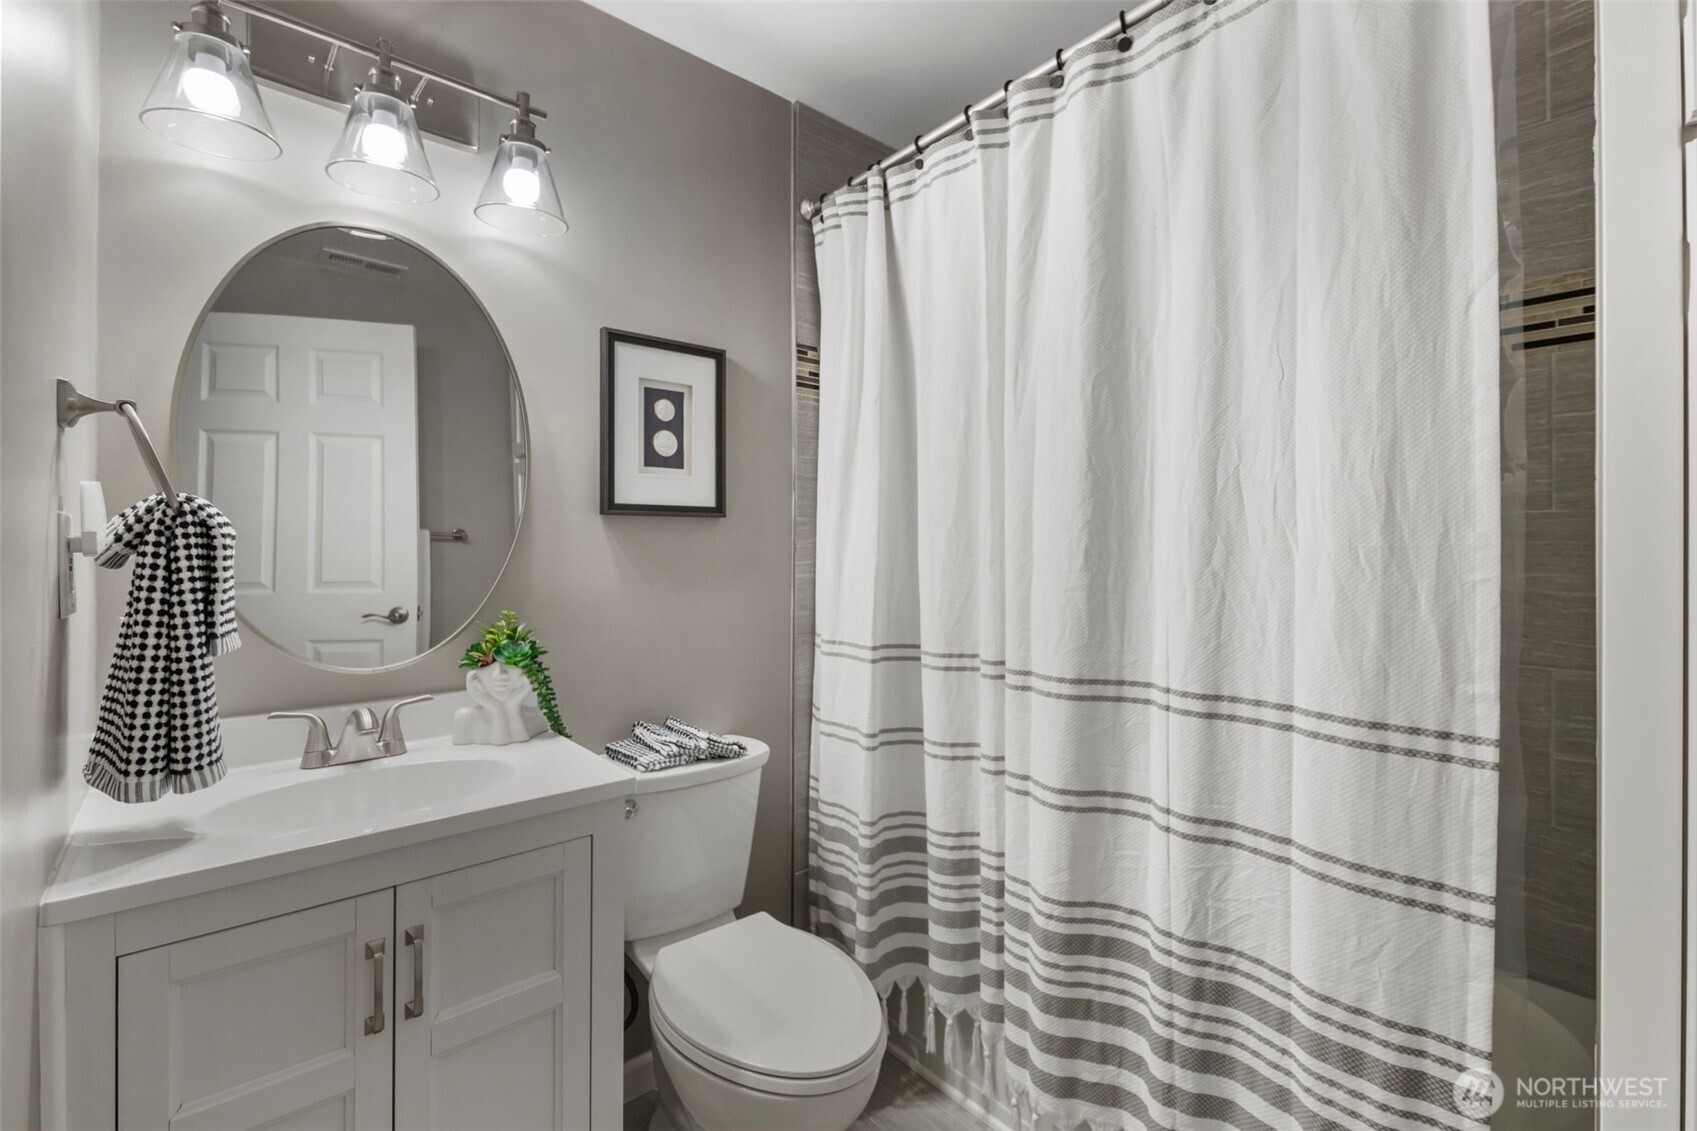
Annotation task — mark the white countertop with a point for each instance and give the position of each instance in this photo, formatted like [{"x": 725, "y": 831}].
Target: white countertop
[{"x": 271, "y": 818}]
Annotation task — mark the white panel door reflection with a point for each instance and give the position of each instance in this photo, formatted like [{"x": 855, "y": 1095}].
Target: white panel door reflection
[{"x": 304, "y": 431}]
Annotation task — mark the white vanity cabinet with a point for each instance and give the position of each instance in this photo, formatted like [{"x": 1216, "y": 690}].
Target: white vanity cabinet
[
  {"x": 455, "y": 1002},
  {"x": 462, "y": 974},
  {"x": 278, "y": 1022},
  {"x": 495, "y": 976}
]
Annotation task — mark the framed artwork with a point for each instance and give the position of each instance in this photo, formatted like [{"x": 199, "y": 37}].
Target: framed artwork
[{"x": 662, "y": 426}]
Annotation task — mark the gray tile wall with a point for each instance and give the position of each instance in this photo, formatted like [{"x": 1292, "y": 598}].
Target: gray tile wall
[
  {"x": 826, "y": 154},
  {"x": 1548, "y": 204}
]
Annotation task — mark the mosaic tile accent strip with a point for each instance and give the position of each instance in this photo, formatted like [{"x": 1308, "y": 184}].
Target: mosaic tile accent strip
[
  {"x": 1558, "y": 317},
  {"x": 807, "y": 367}
]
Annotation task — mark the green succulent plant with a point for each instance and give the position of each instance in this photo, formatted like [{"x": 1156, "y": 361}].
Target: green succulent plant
[{"x": 508, "y": 641}]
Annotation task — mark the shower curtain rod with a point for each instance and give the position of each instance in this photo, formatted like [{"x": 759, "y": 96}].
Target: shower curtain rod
[{"x": 1119, "y": 28}]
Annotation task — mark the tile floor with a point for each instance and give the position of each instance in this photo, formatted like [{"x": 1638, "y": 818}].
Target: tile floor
[{"x": 901, "y": 1102}]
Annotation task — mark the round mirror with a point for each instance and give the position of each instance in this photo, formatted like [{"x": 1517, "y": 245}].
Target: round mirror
[{"x": 348, "y": 404}]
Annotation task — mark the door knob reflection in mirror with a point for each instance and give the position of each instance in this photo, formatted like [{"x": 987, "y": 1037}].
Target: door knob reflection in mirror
[{"x": 396, "y": 615}]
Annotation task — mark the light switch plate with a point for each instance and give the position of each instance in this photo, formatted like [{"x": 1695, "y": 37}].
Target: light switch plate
[{"x": 67, "y": 566}]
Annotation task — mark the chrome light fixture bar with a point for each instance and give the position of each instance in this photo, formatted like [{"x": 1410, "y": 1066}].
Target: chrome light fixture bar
[
  {"x": 380, "y": 153},
  {"x": 519, "y": 195},
  {"x": 425, "y": 74},
  {"x": 205, "y": 97}
]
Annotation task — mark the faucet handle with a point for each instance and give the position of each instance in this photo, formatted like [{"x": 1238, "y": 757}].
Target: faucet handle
[
  {"x": 317, "y": 752},
  {"x": 390, "y": 740}
]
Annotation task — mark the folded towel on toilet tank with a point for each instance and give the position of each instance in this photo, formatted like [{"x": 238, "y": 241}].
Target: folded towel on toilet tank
[
  {"x": 678, "y": 743},
  {"x": 717, "y": 745},
  {"x": 643, "y": 758},
  {"x": 668, "y": 742}
]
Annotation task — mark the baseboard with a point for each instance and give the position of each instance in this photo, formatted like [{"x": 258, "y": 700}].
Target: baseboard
[
  {"x": 639, "y": 1075},
  {"x": 960, "y": 1097}
]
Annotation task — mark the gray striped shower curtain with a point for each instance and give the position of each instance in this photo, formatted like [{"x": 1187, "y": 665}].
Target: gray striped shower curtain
[{"x": 1156, "y": 698}]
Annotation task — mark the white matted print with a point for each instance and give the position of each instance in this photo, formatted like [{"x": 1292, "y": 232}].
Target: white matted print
[{"x": 663, "y": 426}]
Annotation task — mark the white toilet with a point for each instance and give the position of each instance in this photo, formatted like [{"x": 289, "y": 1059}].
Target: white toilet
[{"x": 756, "y": 1025}]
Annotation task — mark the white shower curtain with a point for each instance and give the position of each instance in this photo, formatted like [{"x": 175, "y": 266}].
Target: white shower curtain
[{"x": 1156, "y": 698}]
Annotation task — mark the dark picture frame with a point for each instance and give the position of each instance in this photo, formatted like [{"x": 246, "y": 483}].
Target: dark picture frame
[{"x": 668, "y": 457}]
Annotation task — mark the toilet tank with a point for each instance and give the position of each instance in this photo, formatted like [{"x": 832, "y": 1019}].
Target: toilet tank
[{"x": 686, "y": 847}]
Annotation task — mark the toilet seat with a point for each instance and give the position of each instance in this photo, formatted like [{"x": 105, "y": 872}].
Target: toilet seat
[
  {"x": 666, "y": 1034},
  {"x": 769, "y": 1007}
]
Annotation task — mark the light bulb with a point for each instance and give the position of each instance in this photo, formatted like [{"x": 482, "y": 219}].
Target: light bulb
[
  {"x": 205, "y": 97},
  {"x": 382, "y": 142},
  {"x": 522, "y": 186},
  {"x": 519, "y": 193},
  {"x": 209, "y": 90},
  {"x": 379, "y": 153}
]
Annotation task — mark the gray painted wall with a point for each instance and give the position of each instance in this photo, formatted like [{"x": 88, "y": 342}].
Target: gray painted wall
[
  {"x": 49, "y": 117},
  {"x": 675, "y": 177}
]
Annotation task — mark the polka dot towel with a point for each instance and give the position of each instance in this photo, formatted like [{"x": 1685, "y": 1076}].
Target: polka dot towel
[{"x": 158, "y": 731}]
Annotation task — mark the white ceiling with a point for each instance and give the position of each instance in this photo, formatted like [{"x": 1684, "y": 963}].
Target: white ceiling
[{"x": 889, "y": 68}]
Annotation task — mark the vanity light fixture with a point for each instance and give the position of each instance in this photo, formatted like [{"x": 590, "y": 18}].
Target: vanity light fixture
[
  {"x": 380, "y": 153},
  {"x": 519, "y": 195},
  {"x": 205, "y": 97}
]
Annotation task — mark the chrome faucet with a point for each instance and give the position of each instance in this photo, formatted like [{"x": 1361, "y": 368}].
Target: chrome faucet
[{"x": 362, "y": 739}]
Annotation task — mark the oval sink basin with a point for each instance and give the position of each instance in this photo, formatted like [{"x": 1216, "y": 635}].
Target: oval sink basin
[{"x": 361, "y": 794}]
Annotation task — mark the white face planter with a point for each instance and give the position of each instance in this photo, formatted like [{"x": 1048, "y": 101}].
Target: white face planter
[{"x": 502, "y": 709}]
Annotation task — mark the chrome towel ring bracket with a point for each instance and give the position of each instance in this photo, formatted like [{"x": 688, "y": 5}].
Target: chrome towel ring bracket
[{"x": 72, "y": 407}]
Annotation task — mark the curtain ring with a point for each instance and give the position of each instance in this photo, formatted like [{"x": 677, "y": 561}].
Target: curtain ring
[
  {"x": 1124, "y": 41},
  {"x": 919, "y": 151},
  {"x": 1058, "y": 80},
  {"x": 966, "y": 119}
]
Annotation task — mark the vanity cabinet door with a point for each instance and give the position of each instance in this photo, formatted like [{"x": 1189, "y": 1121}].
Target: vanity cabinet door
[
  {"x": 284, "y": 1023},
  {"x": 492, "y": 1026}
]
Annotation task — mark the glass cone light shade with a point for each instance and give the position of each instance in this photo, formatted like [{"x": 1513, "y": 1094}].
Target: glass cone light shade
[
  {"x": 205, "y": 98},
  {"x": 519, "y": 195},
  {"x": 380, "y": 153}
]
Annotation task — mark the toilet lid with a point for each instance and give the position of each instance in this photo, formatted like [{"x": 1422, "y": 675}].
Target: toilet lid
[{"x": 768, "y": 998}]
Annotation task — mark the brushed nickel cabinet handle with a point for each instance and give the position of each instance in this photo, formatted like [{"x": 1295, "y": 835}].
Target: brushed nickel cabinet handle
[
  {"x": 374, "y": 1023},
  {"x": 415, "y": 939}
]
